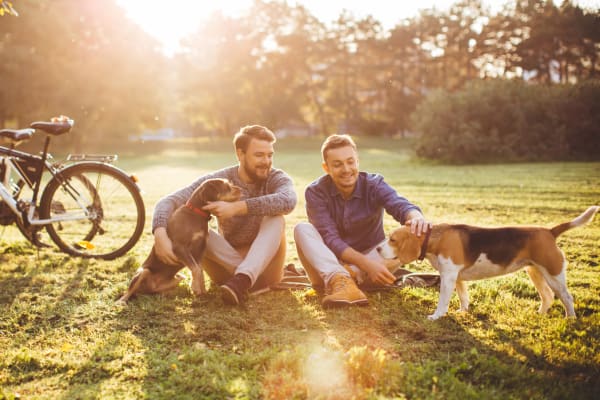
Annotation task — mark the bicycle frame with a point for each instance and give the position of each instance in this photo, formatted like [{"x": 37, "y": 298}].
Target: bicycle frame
[
  {"x": 31, "y": 169},
  {"x": 86, "y": 206}
]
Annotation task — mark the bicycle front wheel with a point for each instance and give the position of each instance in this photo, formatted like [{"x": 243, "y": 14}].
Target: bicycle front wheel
[{"x": 97, "y": 209}]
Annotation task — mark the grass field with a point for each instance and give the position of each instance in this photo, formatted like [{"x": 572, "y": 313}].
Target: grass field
[{"x": 62, "y": 336}]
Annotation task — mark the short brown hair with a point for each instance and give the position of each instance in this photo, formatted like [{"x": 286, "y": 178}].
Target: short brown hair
[
  {"x": 335, "y": 142},
  {"x": 242, "y": 138}
]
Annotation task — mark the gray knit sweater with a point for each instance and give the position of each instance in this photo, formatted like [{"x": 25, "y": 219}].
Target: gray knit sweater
[{"x": 275, "y": 196}]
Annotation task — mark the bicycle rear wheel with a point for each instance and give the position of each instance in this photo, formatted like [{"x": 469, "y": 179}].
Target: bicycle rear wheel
[{"x": 100, "y": 210}]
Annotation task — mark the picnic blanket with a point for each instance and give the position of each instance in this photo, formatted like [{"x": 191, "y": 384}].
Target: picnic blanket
[{"x": 296, "y": 278}]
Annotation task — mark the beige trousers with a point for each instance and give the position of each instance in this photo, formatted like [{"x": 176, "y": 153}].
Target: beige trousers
[
  {"x": 320, "y": 263},
  {"x": 262, "y": 261}
]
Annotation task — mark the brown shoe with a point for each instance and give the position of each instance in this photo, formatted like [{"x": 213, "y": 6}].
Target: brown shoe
[
  {"x": 342, "y": 291},
  {"x": 235, "y": 290}
]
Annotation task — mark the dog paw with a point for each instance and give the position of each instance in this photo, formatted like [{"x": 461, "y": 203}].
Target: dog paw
[
  {"x": 434, "y": 317},
  {"x": 198, "y": 291},
  {"x": 121, "y": 302}
]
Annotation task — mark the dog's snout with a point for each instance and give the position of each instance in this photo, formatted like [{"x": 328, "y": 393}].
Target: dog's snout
[{"x": 385, "y": 250}]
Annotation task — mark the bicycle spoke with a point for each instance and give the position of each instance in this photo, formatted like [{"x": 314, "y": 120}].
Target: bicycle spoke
[{"x": 101, "y": 215}]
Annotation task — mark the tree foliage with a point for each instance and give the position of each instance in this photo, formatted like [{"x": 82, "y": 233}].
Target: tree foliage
[
  {"x": 276, "y": 65},
  {"x": 71, "y": 58},
  {"x": 492, "y": 121}
]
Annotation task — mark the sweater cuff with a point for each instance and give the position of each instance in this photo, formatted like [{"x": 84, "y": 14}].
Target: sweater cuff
[
  {"x": 253, "y": 206},
  {"x": 159, "y": 222}
]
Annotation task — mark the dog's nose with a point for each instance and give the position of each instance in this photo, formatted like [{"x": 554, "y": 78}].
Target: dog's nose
[{"x": 378, "y": 248}]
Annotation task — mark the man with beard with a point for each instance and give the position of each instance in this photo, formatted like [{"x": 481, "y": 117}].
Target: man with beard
[
  {"x": 338, "y": 248},
  {"x": 248, "y": 251}
]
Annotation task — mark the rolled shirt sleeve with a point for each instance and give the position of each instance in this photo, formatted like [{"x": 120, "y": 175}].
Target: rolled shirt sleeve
[{"x": 394, "y": 204}]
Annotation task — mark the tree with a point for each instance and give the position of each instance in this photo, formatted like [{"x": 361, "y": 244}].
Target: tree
[
  {"x": 70, "y": 58},
  {"x": 578, "y": 34},
  {"x": 497, "y": 47},
  {"x": 401, "y": 59},
  {"x": 539, "y": 49}
]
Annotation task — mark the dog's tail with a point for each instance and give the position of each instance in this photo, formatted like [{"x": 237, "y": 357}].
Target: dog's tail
[{"x": 581, "y": 220}]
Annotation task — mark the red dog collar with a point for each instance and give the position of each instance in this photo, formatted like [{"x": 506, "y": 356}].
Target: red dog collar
[{"x": 198, "y": 211}]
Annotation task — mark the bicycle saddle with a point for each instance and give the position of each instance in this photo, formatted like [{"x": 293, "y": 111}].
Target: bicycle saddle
[
  {"x": 53, "y": 128},
  {"x": 17, "y": 134}
]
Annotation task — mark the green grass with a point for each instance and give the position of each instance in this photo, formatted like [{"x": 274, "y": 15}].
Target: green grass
[{"x": 62, "y": 336}]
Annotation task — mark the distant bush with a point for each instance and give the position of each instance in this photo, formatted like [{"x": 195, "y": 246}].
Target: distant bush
[{"x": 510, "y": 121}]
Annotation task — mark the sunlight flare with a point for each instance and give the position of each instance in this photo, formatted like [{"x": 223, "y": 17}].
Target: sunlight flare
[
  {"x": 170, "y": 21},
  {"x": 324, "y": 372}
]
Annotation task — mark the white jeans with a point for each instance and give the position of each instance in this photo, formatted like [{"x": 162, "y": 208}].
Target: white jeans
[
  {"x": 261, "y": 261},
  {"x": 319, "y": 261}
]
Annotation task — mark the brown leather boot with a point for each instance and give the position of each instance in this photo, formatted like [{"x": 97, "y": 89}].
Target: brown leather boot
[{"x": 342, "y": 291}]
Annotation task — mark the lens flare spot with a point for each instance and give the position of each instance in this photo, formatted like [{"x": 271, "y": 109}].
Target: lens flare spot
[{"x": 324, "y": 372}]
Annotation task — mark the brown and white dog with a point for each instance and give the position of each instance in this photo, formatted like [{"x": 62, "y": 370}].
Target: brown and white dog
[
  {"x": 463, "y": 253},
  {"x": 188, "y": 230}
]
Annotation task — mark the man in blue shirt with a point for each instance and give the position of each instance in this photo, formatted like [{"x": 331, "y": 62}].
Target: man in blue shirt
[{"x": 345, "y": 212}]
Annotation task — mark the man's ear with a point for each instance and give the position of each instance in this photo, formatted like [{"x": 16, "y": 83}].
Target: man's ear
[
  {"x": 239, "y": 153},
  {"x": 325, "y": 167}
]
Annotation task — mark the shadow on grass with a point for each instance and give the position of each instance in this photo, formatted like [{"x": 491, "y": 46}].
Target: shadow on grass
[
  {"x": 178, "y": 346},
  {"x": 476, "y": 353},
  {"x": 202, "y": 347},
  {"x": 28, "y": 279}
]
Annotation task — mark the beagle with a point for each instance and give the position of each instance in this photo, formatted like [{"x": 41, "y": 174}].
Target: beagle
[
  {"x": 187, "y": 228},
  {"x": 463, "y": 253}
]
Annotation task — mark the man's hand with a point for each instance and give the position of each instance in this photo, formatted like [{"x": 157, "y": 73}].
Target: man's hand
[
  {"x": 378, "y": 273},
  {"x": 163, "y": 247},
  {"x": 418, "y": 224},
  {"x": 226, "y": 209}
]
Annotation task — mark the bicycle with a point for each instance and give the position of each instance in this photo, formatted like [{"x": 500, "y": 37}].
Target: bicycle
[{"x": 88, "y": 207}]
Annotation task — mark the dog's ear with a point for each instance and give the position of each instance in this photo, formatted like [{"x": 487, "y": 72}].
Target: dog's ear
[
  {"x": 209, "y": 190},
  {"x": 406, "y": 245},
  {"x": 230, "y": 192},
  {"x": 214, "y": 190}
]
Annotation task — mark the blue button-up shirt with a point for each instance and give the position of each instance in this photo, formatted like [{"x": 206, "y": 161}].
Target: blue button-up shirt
[{"x": 358, "y": 221}]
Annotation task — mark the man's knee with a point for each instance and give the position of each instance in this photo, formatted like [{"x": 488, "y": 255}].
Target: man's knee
[
  {"x": 302, "y": 230},
  {"x": 273, "y": 221}
]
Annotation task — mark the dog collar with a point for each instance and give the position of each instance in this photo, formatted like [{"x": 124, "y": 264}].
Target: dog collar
[
  {"x": 198, "y": 211},
  {"x": 424, "y": 245}
]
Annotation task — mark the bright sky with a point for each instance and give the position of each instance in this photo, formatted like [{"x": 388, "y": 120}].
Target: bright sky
[{"x": 171, "y": 20}]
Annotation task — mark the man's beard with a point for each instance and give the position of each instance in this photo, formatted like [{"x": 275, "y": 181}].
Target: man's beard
[{"x": 253, "y": 176}]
